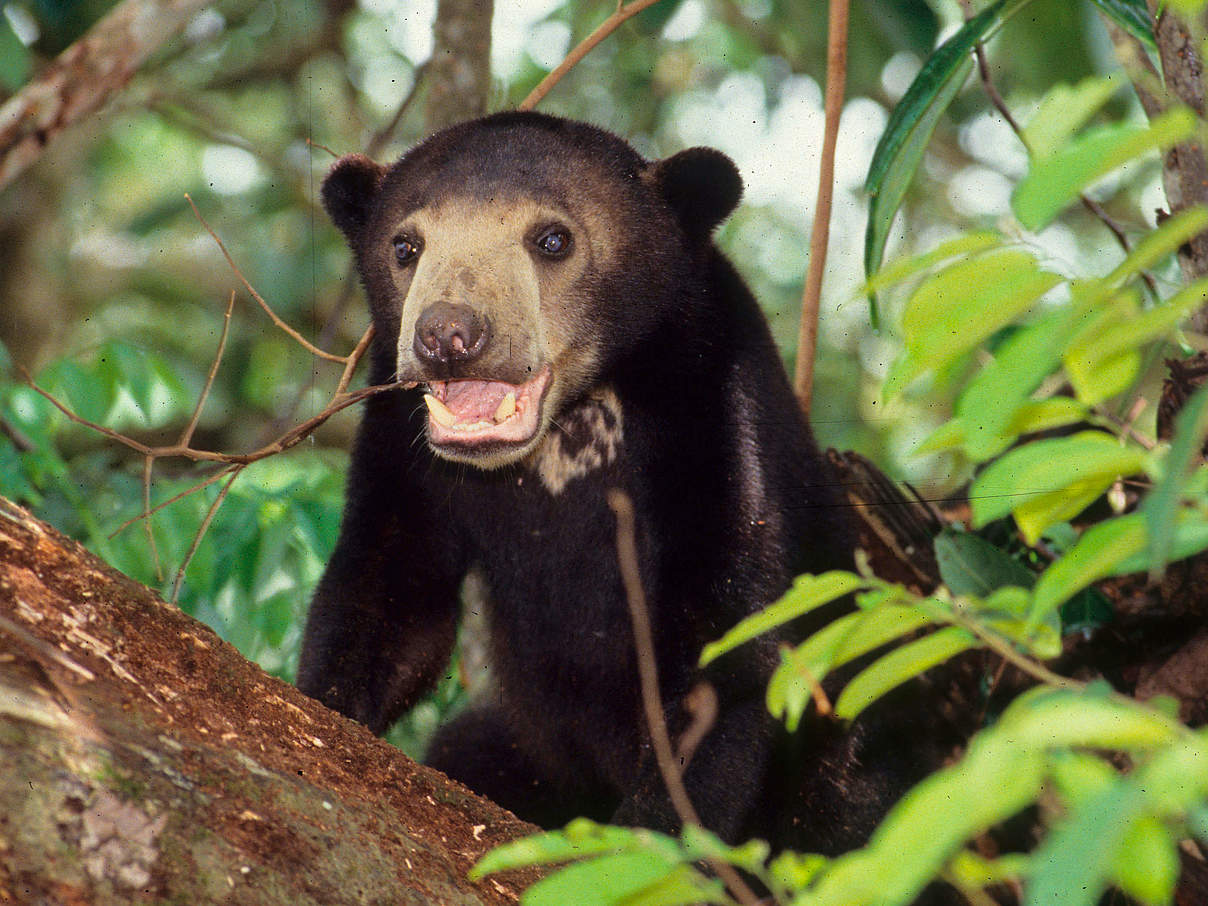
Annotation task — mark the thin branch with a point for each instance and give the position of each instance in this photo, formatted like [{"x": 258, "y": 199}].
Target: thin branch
[
  {"x": 836, "y": 82},
  {"x": 187, "y": 435},
  {"x": 660, "y": 739},
  {"x": 148, "y": 464},
  {"x": 148, "y": 513},
  {"x": 624, "y": 12},
  {"x": 297, "y": 337},
  {"x": 201, "y": 532}
]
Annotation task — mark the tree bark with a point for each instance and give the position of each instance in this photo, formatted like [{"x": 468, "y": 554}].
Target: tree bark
[
  {"x": 460, "y": 71},
  {"x": 1185, "y": 167},
  {"x": 85, "y": 76},
  {"x": 146, "y": 761}
]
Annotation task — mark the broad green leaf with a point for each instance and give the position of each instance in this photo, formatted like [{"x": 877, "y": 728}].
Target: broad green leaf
[
  {"x": 683, "y": 886},
  {"x": 794, "y": 871},
  {"x": 580, "y": 839},
  {"x": 1072, "y": 865},
  {"x": 1065, "y": 110},
  {"x": 1190, "y": 537},
  {"x": 992, "y": 406},
  {"x": 1050, "y": 481},
  {"x": 16, "y": 62},
  {"x": 1147, "y": 864},
  {"x": 912, "y": 123},
  {"x": 948, "y": 436},
  {"x": 1055, "y": 181},
  {"x": 932, "y": 822},
  {"x": 1162, "y": 241},
  {"x": 807, "y": 594},
  {"x": 970, "y": 565},
  {"x": 973, "y": 872},
  {"x": 955, "y": 310},
  {"x": 607, "y": 880},
  {"x": 1133, "y": 16},
  {"x": 847, "y": 638},
  {"x": 699, "y": 843},
  {"x": 904, "y": 268},
  {"x": 1098, "y": 553},
  {"x": 1104, "y": 358},
  {"x": 899, "y": 666},
  {"x": 1162, "y": 502},
  {"x": 1094, "y": 719}
]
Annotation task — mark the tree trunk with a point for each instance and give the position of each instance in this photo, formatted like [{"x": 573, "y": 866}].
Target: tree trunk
[
  {"x": 85, "y": 76},
  {"x": 460, "y": 72},
  {"x": 146, "y": 761}
]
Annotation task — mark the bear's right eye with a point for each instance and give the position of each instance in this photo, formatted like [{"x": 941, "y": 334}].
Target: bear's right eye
[{"x": 405, "y": 250}]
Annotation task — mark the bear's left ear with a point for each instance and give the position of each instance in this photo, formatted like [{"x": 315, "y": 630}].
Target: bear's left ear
[
  {"x": 348, "y": 192},
  {"x": 701, "y": 185}
]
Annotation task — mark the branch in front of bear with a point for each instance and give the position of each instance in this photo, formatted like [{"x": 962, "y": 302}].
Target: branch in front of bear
[
  {"x": 660, "y": 739},
  {"x": 623, "y": 13}
]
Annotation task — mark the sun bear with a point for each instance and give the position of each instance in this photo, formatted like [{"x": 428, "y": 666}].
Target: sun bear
[{"x": 564, "y": 324}]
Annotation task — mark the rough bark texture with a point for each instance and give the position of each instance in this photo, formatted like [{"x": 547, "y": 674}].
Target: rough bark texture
[
  {"x": 1185, "y": 170},
  {"x": 85, "y": 76},
  {"x": 145, "y": 761},
  {"x": 459, "y": 74}
]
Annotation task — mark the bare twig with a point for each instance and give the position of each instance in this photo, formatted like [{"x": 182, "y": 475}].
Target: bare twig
[
  {"x": 151, "y": 511},
  {"x": 623, "y": 12},
  {"x": 201, "y": 531},
  {"x": 148, "y": 465},
  {"x": 297, "y": 337},
  {"x": 836, "y": 80},
  {"x": 660, "y": 739},
  {"x": 701, "y": 704},
  {"x": 187, "y": 435}
]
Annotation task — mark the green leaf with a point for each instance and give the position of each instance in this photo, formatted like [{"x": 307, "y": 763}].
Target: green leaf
[
  {"x": 1054, "y": 182},
  {"x": 1162, "y": 241},
  {"x": 1131, "y": 15},
  {"x": 1098, "y": 553},
  {"x": 899, "y": 666},
  {"x": 955, "y": 310},
  {"x": 1162, "y": 502},
  {"x": 1147, "y": 864},
  {"x": 970, "y": 565},
  {"x": 807, "y": 594},
  {"x": 912, "y": 123},
  {"x": 1050, "y": 481},
  {"x": 603, "y": 881},
  {"x": 902, "y": 269},
  {"x": 1065, "y": 110},
  {"x": 16, "y": 62},
  {"x": 1190, "y": 537},
  {"x": 992, "y": 406},
  {"x": 580, "y": 839}
]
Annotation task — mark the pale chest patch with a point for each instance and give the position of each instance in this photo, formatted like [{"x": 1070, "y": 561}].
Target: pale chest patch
[{"x": 581, "y": 440}]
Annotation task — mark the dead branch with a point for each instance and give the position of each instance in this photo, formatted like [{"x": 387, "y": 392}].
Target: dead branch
[
  {"x": 660, "y": 739},
  {"x": 85, "y": 76},
  {"x": 836, "y": 80},
  {"x": 623, "y": 13}
]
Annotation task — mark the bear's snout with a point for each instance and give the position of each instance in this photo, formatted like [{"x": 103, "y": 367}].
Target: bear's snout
[{"x": 449, "y": 332}]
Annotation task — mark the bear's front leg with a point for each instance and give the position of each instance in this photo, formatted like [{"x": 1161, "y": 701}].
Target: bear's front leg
[{"x": 382, "y": 623}]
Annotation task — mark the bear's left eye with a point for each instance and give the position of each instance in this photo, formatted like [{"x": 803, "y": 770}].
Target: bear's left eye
[
  {"x": 554, "y": 243},
  {"x": 405, "y": 250}
]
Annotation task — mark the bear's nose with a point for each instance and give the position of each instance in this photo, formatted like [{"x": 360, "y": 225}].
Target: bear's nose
[{"x": 449, "y": 332}]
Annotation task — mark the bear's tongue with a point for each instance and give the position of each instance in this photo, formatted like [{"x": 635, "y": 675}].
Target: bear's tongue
[{"x": 469, "y": 412}]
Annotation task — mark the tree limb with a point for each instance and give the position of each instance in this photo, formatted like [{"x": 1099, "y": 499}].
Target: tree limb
[{"x": 85, "y": 76}]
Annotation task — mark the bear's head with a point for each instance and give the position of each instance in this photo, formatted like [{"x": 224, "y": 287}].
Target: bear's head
[{"x": 510, "y": 260}]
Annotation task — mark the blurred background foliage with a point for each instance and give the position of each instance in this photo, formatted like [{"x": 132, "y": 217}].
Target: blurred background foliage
[{"x": 113, "y": 293}]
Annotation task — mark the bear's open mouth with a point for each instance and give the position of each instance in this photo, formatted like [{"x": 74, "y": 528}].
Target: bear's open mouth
[{"x": 472, "y": 413}]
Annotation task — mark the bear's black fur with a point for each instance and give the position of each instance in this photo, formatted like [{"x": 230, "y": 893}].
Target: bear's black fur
[{"x": 555, "y": 250}]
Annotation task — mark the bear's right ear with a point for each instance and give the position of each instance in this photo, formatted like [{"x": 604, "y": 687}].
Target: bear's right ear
[
  {"x": 702, "y": 186},
  {"x": 348, "y": 192}
]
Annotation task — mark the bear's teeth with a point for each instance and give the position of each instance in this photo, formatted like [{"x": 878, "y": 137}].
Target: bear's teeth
[
  {"x": 439, "y": 411},
  {"x": 507, "y": 408}
]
